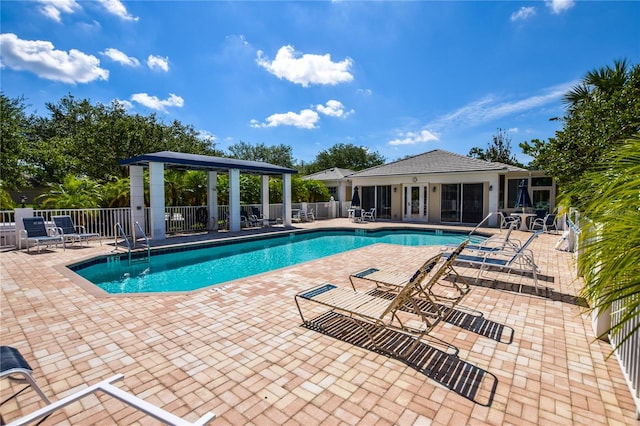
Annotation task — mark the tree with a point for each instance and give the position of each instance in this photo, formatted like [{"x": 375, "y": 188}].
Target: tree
[
  {"x": 499, "y": 150},
  {"x": 78, "y": 133},
  {"x": 601, "y": 112},
  {"x": 14, "y": 126},
  {"x": 611, "y": 246},
  {"x": 346, "y": 156},
  {"x": 72, "y": 193},
  {"x": 280, "y": 155}
]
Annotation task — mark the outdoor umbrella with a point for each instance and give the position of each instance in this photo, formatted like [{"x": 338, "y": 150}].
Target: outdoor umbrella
[
  {"x": 523, "y": 200},
  {"x": 355, "y": 201}
]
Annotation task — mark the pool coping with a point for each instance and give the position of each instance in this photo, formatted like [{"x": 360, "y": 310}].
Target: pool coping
[{"x": 68, "y": 271}]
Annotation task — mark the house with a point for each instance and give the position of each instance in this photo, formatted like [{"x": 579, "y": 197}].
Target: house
[
  {"x": 441, "y": 187},
  {"x": 337, "y": 182}
]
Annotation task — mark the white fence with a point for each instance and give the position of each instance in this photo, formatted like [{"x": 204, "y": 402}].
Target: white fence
[{"x": 180, "y": 219}]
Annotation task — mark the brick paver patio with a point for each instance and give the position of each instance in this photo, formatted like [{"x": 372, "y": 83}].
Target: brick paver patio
[{"x": 240, "y": 351}]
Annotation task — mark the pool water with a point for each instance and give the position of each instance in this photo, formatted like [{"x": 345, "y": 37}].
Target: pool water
[{"x": 191, "y": 269}]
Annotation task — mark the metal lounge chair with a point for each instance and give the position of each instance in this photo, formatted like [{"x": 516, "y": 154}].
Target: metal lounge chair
[
  {"x": 406, "y": 313},
  {"x": 71, "y": 232},
  {"x": 13, "y": 363},
  {"x": 36, "y": 231},
  {"x": 444, "y": 292},
  {"x": 495, "y": 242},
  {"x": 507, "y": 259}
]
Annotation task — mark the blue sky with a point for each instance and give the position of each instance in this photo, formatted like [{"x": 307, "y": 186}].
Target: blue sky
[{"x": 400, "y": 78}]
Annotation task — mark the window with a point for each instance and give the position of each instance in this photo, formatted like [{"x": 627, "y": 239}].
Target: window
[
  {"x": 541, "y": 181},
  {"x": 512, "y": 192}
]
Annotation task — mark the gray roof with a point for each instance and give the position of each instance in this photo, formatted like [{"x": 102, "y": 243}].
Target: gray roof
[
  {"x": 179, "y": 160},
  {"x": 334, "y": 173},
  {"x": 436, "y": 161}
]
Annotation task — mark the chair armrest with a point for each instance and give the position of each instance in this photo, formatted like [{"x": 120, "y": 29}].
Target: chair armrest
[{"x": 80, "y": 229}]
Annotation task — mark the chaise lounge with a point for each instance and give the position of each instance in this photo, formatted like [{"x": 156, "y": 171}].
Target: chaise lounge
[
  {"x": 71, "y": 232},
  {"x": 36, "y": 231},
  {"x": 406, "y": 313}
]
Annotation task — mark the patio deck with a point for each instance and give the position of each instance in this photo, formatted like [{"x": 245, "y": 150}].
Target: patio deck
[{"x": 239, "y": 350}]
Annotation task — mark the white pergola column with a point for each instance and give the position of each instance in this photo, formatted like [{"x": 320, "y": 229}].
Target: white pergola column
[
  {"x": 136, "y": 189},
  {"x": 156, "y": 193},
  {"x": 494, "y": 200},
  {"x": 234, "y": 200},
  {"x": 212, "y": 200},
  {"x": 286, "y": 199},
  {"x": 264, "y": 195}
]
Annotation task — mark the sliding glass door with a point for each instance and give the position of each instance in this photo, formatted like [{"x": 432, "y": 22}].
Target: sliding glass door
[{"x": 462, "y": 203}]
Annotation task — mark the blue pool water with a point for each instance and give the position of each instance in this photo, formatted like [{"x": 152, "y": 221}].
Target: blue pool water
[{"x": 193, "y": 268}]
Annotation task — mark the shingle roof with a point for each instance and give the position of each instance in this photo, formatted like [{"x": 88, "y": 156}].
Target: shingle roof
[
  {"x": 334, "y": 173},
  {"x": 436, "y": 161}
]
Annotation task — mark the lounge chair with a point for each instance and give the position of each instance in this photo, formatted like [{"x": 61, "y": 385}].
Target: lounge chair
[
  {"x": 547, "y": 223},
  {"x": 13, "y": 363},
  {"x": 405, "y": 313},
  {"x": 370, "y": 215},
  {"x": 71, "y": 232},
  {"x": 508, "y": 259},
  {"x": 495, "y": 242},
  {"x": 455, "y": 288},
  {"x": 36, "y": 231}
]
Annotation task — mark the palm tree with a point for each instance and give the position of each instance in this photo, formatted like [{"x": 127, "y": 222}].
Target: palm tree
[
  {"x": 73, "y": 193},
  {"x": 605, "y": 80},
  {"x": 611, "y": 245}
]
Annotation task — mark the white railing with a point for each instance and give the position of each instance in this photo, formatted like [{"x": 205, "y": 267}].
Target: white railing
[
  {"x": 628, "y": 351},
  {"x": 179, "y": 219}
]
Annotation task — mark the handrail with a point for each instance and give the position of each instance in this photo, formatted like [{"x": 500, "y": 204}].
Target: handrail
[
  {"x": 146, "y": 240},
  {"x": 119, "y": 230}
]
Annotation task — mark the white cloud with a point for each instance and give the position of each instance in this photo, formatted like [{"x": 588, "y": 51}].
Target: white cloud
[
  {"x": 365, "y": 92},
  {"x": 154, "y": 103},
  {"x": 334, "y": 108},
  {"x": 115, "y": 7},
  {"x": 413, "y": 138},
  {"x": 158, "y": 62},
  {"x": 53, "y": 9},
  {"x": 523, "y": 13},
  {"x": 207, "y": 135},
  {"x": 306, "y": 69},
  {"x": 41, "y": 58},
  {"x": 306, "y": 119},
  {"x": 513, "y": 130},
  {"x": 125, "y": 104},
  {"x": 121, "y": 57},
  {"x": 489, "y": 108},
  {"x": 559, "y": 6}
]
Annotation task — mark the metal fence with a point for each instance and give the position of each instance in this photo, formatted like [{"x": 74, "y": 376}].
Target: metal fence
[
  {"x": 181, "y": 219},
  {"x": 628, "y": 353}
]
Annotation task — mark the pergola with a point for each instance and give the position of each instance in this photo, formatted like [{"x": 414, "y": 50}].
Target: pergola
[{"x": 159, "y": 161}]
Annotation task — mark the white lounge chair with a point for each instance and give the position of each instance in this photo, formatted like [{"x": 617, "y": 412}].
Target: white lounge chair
[
  {"x": 13, "y": 363},
  {"x": 36, "y": 231},
  {"x": 506, "y": 259},
  {"x": 70, "y": 232}
]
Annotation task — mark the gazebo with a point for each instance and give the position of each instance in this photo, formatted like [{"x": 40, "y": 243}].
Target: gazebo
[{"x": 159, "y": 161}]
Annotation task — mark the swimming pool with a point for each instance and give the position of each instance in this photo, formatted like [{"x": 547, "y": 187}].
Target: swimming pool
[{"x": 186, "y": 268}]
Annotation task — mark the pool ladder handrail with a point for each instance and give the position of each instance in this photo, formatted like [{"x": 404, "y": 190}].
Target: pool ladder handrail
[{"x": 119, "y": 230}]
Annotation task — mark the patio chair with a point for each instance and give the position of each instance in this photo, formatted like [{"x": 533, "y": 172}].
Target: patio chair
[
  {"x": 370, "y": 215},
  {"x": 71, "y": 232},
  {"x": 454, "y": 290},
  {"x": 547, "y": 224},
  {"x": 406, "y": 313},
  {"x": 36, "y": 231},
  {"x": 507, "y": 259},
  {"x": 12, "y": 363},
  {"x": 506, "y": 219}
]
